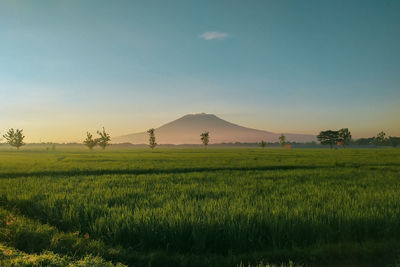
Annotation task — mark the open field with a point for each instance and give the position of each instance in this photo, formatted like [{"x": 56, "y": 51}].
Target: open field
[{"x": 196, "y": 207}]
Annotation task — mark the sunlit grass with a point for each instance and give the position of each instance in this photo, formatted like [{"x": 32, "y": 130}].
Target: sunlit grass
[{"x": 196, "y": 206}]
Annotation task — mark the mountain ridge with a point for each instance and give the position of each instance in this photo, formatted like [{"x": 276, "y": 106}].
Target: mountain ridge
[{"x": 187, "y": 130}]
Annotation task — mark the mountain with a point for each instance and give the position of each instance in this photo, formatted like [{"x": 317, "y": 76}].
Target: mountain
[{"x": 187, "y": 130}]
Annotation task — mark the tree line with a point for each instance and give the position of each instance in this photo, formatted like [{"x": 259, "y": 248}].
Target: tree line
[
  {"x": 282, "y": 141},
  {"x": 343, "y": 138},
  {"x": 380, "y": 140},
  {"x": 104, "y": 139},
  {"x": 332, "y": 138}
]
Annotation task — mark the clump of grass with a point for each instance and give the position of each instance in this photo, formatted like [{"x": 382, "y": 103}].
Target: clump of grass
[{"x": 12, "y": 257}]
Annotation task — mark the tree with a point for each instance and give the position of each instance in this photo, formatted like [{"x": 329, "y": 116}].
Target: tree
[
  {"x": 15, "y": 137},
  {"x": 89, "y": 141},
  {"x": 104, "y": 139},
  {"x": 282, "y": 140},
  {"x": 152, "y": 138},
  {"x": 328, "y": 137},
  {"x": 344, "y": 137},
  {"x": 394, "y": 141},
  {"x": 380, "y": 138},
  {"x": 205, "y": 138},
  {"x": 263, "y": 143}
]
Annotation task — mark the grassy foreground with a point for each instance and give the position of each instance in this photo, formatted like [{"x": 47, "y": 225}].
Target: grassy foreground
[{"x": 196, "y": 207}]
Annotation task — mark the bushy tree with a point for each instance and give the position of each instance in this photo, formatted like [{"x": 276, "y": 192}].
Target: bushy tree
[
  {"x": 152, "y": 138},
  {"x": 328, "y": 137},
  {"x": 263, "y": 143},
  {"x": 380, "y": 138},
  {"x": 89, "y": 141},
  {"x": 15, "y": 137},
  {"x": 282, "y": 140},
  {"x": 205, "y": 138},
  {"x": 104, "y": 139},
  {"x": 344, "y": 137}
]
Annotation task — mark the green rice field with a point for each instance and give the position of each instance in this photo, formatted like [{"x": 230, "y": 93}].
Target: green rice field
[{"x": 198, "y": 207}]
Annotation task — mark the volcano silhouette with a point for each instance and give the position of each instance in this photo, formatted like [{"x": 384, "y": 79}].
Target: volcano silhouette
[{"x": 187, "y": 130}]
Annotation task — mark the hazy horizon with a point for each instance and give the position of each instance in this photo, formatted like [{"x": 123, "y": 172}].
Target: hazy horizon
[
  {"x": 67, "y": 67},
  {"x": 194, "y": 141}
]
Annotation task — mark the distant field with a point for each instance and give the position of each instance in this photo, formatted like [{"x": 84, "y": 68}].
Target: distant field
[{"x": 196, "y": 207}]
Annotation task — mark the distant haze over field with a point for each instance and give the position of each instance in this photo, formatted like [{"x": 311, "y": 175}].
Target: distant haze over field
[{"x": 187, "y": 130}]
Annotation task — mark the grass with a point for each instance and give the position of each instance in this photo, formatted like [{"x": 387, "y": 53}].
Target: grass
[
  {"x": 196, "y": 207},
  {"x": 12, "y": 257}
]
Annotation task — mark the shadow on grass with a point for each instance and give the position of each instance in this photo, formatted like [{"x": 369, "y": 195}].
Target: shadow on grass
[
  {"x": 153, "y": 171},
  {"x": 31, "y": 236}
]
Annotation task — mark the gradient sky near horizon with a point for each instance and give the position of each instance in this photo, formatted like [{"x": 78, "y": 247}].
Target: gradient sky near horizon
[{"x": 67, "y": 67}]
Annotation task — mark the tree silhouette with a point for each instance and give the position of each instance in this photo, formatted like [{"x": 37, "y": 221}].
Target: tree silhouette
[
  {"x": 89, "y": 141},
  {"x": 104, "y": 139},
  {"x": 15, "y": 137},
  {"x": 205, "y": 138},
  {"x": 328, "y": 137},
  {"x": 263, "y": 143},
  {"x": 344, "y": 137},
  {"x": 152, "y": 138},
  {"x": 380, "y": 138},
  {"x": 282, "y": 140}
]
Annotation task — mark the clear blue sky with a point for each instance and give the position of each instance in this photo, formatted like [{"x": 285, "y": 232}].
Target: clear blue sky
[{"x": 284, "y": 66}]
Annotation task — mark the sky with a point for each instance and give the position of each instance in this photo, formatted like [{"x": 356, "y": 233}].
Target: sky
[{"x": 67, "y": 67}]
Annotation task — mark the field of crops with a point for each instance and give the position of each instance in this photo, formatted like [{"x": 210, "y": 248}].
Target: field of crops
[{"x": 196, "y": 207}]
